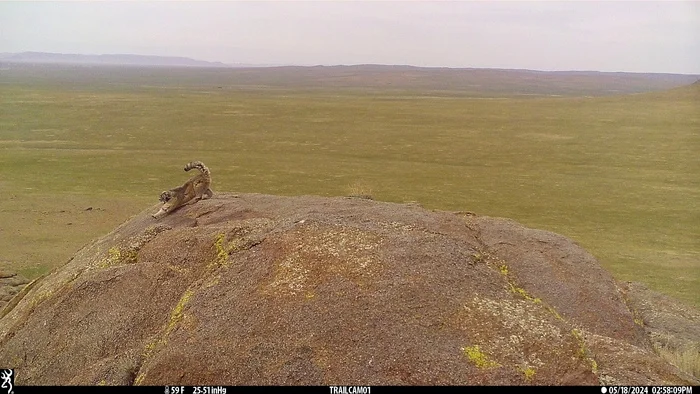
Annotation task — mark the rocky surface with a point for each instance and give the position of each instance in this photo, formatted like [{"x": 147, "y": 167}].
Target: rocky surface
[
  {"x": 10, "y": 284},
  {"x": 672, "y": 327},
  {"x": 256, "y": 289}
]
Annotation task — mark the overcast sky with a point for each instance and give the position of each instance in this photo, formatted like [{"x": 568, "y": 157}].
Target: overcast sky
[{"x": 545, "y": 35}]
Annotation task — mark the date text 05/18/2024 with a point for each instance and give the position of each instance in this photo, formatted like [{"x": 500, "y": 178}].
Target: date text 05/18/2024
[{"x": 646, "y": 390}]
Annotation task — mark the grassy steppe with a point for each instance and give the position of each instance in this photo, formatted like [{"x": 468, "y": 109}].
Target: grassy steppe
[{"x": 619, "y": 174}]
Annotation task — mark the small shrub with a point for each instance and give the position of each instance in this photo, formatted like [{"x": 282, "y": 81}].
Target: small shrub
[
  {"x": 529, "y": 372},
  {"x": 359, "y": 189},
  {"x": 687, "y": 359}
]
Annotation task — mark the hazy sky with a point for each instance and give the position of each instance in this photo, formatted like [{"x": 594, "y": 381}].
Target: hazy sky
[{"x": 660, "y": 36}]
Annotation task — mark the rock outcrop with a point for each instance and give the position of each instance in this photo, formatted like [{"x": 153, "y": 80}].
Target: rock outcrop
[{"x": 255, "y": 289}]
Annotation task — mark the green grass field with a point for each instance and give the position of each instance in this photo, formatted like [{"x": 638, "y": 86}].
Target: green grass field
[{"x": 618, "y": 174}]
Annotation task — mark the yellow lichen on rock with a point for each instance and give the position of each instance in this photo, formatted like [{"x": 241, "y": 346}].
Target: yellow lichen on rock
[{"x": 478, "y": 358}]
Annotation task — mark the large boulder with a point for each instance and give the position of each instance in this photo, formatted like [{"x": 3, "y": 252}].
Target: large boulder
[{"x": 255, "y": 289}]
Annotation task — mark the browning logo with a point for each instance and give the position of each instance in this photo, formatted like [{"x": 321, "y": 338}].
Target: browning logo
[{"x": 7, "y": 377}]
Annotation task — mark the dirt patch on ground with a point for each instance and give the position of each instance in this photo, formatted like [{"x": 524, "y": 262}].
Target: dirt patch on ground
[{"x": 257, "y": 289}]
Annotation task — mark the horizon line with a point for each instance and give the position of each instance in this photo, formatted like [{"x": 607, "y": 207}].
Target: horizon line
[{"x": 220, "y": 64}]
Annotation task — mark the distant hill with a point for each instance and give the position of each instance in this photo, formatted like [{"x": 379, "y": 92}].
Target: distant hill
[
  {"x": 470, "y": 81},
  {"x": 37, "y": 68},
  {"x": 116, "y": 59}
]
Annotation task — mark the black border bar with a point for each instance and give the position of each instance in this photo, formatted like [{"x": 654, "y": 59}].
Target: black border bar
[{"x": 179, "y": 389}]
